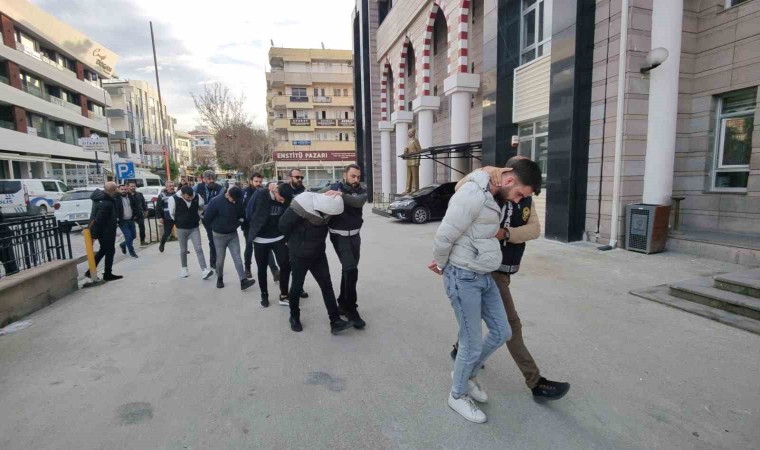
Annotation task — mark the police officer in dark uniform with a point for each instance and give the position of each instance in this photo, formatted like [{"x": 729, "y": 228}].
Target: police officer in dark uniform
[
  {"x": 208, "y": 190},
  {"x": 289, "y": 191},
  {"x": 344, "y": 235}
]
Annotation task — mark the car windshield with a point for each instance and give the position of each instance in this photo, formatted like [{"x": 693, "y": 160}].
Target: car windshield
[{"x": 76, "y": 195}]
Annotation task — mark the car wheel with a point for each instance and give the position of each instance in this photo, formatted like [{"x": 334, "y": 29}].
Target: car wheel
[
  {"x": 43, "y": 210},
  {"x": 420, "y": 214}
]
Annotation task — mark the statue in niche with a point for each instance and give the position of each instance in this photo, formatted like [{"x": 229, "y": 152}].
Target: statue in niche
[{"x": 412, "y": 164}]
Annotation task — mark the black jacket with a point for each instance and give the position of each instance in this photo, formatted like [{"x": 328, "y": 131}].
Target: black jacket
[
  {"x": 120, "y": 207},
  {"x": 162, "y": 205},
  {"x": 353, "y": 201},
  {"x": 103, "y": 218},
  {"x": 142, "y": 205},
  {"x": 305, "y": 240},
  {"x": 288, "y": 192},
  {"x": 265, "y": 217},
  {"x": 222, "y": 216}
]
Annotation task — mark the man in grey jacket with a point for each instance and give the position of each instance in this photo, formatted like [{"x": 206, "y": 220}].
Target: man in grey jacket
[{"x": 466, "y": 251}]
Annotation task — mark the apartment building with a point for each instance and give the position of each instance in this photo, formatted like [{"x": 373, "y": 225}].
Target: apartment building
[
  {"x": 540, "y": 78},
  {"x": 183, "y": 145},
  {"x": 310, "y": 107},
  {"x": 203, "y": 147},
  {"x": 136, "y": 121},
  {"x": 50, "y": 96}
]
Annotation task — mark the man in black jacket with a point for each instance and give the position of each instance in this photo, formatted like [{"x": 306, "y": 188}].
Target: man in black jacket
[
  {"x": 103, "y": 223},
  {"x": 207, "y": 191},
  {"x": 292, "y": 188},
  {"x": 304, "y": 225},
  {"x": 265, "y": 236},
  {"x": 127, "y": 211},
  {"x": 344, "y": 235},
  {"x": 142, "y": 207},
  {"x": 224, "y": 215},
  {"x": 162, "y": 211}
]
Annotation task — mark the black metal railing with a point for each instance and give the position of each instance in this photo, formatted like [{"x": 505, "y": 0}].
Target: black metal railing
[
  {"x": 382, "y": 200},
  {"x": 27, "y": 242}
]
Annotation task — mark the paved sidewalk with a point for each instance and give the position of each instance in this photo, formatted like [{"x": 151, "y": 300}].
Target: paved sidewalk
[{"x": 153, "y": 361}]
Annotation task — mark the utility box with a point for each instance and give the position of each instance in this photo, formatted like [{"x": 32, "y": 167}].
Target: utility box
[{"x": 646, "y": 227}]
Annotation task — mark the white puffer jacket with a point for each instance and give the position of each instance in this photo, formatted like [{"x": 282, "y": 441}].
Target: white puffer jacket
[{"x": 467, "y": 236}]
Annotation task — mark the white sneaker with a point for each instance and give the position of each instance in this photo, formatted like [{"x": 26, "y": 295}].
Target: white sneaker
[
  {"x": 475, "y": 390},
  {"x": 183, "y": 273},
  {"x": 467, "y": 408},
  {"x": 207, "y": 273}
]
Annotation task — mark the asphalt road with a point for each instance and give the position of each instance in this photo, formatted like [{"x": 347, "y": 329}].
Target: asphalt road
[{"x": 154, "y": 361}]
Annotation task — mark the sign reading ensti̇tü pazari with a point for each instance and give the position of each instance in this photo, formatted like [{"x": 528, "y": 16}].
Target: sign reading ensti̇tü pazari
[{"x": 314, "y": 156}]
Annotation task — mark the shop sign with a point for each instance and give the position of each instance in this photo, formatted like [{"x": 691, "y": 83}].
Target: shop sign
[
  {"x": 300, "y": 122},
  {"x": 301, "y": 142},
  {"x": 346, "y": 122},
  {"x": 325, "y": 122},
  {"x": 314, "y": 156},
  {"x": 154, "y": 149}
]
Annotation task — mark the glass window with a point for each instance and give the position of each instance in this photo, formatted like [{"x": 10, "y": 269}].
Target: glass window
[
  {"x": 49, "y": 186},
  {"x": 336, "y": 92},
  {"x": 736, "y": 119},
  {"x": 535, "y": 36},
  {"x": 534, "y": 143},
  {"x": 299, "y": 92}
]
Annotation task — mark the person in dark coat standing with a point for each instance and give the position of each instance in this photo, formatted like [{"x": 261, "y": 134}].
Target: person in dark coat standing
[
  {"x": 142, "y": 209},
  {"x": 207, "y": 191},
  {"x": 344, "y": 235},
  {"x": 103, "y": 222},
  {"x": 292, "y": 188},
  {"x": 224, "y": 215},
  {"x": 127, "y": 211},
  {"x": 162, "y": 211}
]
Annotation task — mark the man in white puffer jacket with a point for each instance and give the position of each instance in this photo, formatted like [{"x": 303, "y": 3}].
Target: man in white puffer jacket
[{"x": 466, "y": 251}]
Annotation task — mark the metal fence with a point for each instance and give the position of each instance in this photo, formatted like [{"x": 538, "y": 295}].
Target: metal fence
[{"x": 27, "y": 242}]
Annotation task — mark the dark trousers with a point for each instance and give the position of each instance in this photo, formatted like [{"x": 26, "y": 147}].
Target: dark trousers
[
  {"x": 168, "y": 225},
  {"x": 320, "y": 270},
  {"x": 347, "y": 249},
  {"x": 211, "y": 246},
  {"x": 107, "y": 250},
  {"x": 248, "y": 254},
  {"x": 263, "y": 253},
  {"x": 141, "y": 226}
]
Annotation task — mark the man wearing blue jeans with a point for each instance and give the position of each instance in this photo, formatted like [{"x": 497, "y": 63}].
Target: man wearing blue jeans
[
  {"x": 466, "y": 251},
  {"x": 127, "y": 210}
]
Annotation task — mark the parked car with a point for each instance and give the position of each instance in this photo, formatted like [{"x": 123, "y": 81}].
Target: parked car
[
  {"x": 145, "y": 179},
  {"x": 41, "y": 195},
  {"x": 151, "y": 197},
  {"x": 74, "y": 207},
  {"x": 14, "y": 200},
  {"x": 424, "y": 205}
]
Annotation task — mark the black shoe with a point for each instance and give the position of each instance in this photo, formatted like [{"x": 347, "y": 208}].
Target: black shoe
[
  {"x": 123, "y": 248},
  {"x": 295, "y": 324},
  {"x": 339, "y": 325},
  {"x": 264, "y": 300},
  {"x": 133, "y": 254},
  {"x": 304, "y": 294},
  {"x": 248, "y": 273},
  {"x": 161, "y": 247},
  {"x": 354, "y": 317},
  {"x": 245, "y": 284},
  {"x": 548, "y": 390},
  {"x": 143, "y": 243},
  {"x": 276, "y": 275},
  {"x": 112, "y": 277},
  {"x": 219, "y": 282}
]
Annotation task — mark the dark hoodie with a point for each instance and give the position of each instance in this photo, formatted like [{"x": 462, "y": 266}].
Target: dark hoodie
[{"x": 103, "y": 218}]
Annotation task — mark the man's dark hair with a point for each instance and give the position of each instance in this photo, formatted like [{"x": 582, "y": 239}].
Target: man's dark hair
[
  {"x": 256, "y": 175},
  {"x": 235, "y": 192},
  {"x": 353, "y": 166},
  {"x": 131, "y": 182},
  {"x": 528, "y": 173},
  {"x": 186, "y": 190},
  {"x": 290, "y": 174}
]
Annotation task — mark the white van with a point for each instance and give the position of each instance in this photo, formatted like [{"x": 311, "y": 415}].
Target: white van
[
  {"x": 38, "y": 194},
  {"x": 145, "y": 179}
]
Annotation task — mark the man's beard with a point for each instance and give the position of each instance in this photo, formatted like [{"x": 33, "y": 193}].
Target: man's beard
[
  {"x": 505, "y": 192},
  {"x": 353, "y": 185},
  {"x": 297, "y": 184}
]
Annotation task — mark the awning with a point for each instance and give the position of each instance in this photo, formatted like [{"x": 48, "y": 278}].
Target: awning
[{"x": 469, "y": 150}]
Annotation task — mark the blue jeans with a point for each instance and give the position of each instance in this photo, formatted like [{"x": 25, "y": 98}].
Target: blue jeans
[
  {"x": 473, "y": 297},
  {"x": 128, "y": 228}
]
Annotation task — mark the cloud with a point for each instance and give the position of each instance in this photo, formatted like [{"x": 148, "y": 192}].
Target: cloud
[{"x": 197, "y": 45}]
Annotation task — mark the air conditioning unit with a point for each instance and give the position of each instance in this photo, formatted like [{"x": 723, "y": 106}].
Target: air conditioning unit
[{"x": 646, "y": 227}]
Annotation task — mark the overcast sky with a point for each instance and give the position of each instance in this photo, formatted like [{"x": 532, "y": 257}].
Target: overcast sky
[{"x": 218, "y": 40}]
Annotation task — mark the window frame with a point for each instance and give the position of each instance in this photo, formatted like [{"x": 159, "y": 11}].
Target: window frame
[
  {"x": 532, "y": 139},
  {"x": 719, "y": 146},
  {"x": 544, "y": 44}
]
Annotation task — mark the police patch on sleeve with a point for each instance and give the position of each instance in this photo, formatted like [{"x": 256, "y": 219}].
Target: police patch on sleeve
[{"x": 525, "y": 214}]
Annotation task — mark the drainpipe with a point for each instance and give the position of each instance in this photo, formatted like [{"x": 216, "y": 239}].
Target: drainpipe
[{"x": 619, "y": 124}]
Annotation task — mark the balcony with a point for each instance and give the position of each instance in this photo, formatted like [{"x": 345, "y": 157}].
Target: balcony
[
  {"x": 331, "y": 78},
  {"x": 122, "y": 135},
  {"x": 322, "y": 99},
  {"x": 115, "y": 113},
  {"x": 294, "y": 99},
  {"x": 276, "y": 78}
]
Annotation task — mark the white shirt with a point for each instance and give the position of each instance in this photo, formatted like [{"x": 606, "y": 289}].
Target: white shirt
[{"x": 173, "y": 206}]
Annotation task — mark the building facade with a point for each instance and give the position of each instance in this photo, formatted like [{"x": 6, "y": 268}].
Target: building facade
[
  {"x": 310, "y": 107},
  {"x": 540, "y": 78},
  {"x": 50, "y": 96},
  {"x": 136, "y": 122},
  {"x": 203, "y": 147},
  {"x": 183, "y": 145}
]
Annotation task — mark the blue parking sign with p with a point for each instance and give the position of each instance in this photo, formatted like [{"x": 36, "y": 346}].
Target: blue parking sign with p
[{"x": 125, "y": 170}]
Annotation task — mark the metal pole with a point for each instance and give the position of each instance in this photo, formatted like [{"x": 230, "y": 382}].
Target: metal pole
[
  {"x": 108, "y": 134},
  {"x": 160, "y": 106}
]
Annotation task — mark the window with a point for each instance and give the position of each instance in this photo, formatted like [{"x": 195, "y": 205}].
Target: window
[
  {"x": 299, "y": 92},
  {"x": 535, "y": 29},
  {"x": 49, "y": 186},
  {"x": 300, "y": 114},
  {"x": 346, "y": 113},
  {"x": 733, "y": 145},
  {"x": 534, "y": 143},
  {"x": 345, "y": 92},
  {"x": 316, "y": 92},
  {"x": 336, "y": 92},
  {"x": 730, "y": 3}
]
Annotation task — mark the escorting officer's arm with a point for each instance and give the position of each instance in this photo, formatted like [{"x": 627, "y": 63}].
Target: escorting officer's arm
[
  {"x": 201, "y": 206},
  {"x": 527, "y": 232},
  {"x": 210, "y": 213},
  {"x": 463, "y": 209},
  {"x": 259, "y": 215},
  {"x": 172, "y": 207},
  {"x": 288, "y": 220}
]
